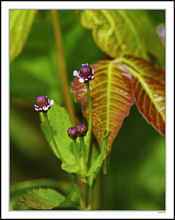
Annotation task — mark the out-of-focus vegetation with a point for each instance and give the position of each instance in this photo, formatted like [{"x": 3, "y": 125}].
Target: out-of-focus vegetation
[{"x": 136, "y": 173}]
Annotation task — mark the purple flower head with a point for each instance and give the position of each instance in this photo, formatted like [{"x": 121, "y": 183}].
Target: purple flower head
[
  {"x": 81, "y": 130},
  {"x": 85, "y": 73},
  {"x": 72, "y": 132},
  {"x": 42, "y": 103}
]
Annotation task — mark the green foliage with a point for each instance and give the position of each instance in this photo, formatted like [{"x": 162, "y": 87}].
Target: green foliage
[
  {"x": 42, "y": 198},
  {"x": 59, "y": 122},
  {"x": 120, "y": 32},
  {"x": 103, "y": 153},
  {"x": 35, "y": 71},
  {"x": 72, "y": 201},
  {"x": 17, "y": 190},
  {"x": 20, "y": 25},
  {"x": 71, "y": 168}
]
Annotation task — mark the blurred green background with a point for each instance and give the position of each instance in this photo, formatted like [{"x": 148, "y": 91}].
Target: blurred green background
[{"x": 136, "y": 174}]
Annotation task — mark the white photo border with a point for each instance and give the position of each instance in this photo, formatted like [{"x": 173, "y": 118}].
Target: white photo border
[{"x": 5, "y": 88}]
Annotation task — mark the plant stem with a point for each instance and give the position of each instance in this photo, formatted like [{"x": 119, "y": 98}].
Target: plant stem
[
  {"x": 60, "y": 155},
  {"x": 62, "y": 68},
  {"x": 84, "y": 154},
  {"x": 90, "y": 114},
  {"x": 90, "y": 190},
  {"x": 76, "y": 188},
  {"x": 89, "y": 194},
  {"x": 75, "y": 152}
]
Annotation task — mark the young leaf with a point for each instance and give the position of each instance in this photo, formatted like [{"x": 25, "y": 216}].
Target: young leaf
[
  {"x": 112, "y": 97},
  {"x": 149, "y": 89},
  {"x": 42, "y": 198},
  {"x": 20, "y": 25},
  {"x": 71, "y": 168},
  {"x": 119, "y": 32},
  {"x": 103, "y": 153},
  {"x": 60, "y": 122}
]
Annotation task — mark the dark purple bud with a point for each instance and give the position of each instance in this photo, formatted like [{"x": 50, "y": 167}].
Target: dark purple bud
[
  {"x": 85, "y": 73},
  {"x": 72, "y": 132},
  {"x": 81, "y": 130},
  {"x": 42, "y": 103}
]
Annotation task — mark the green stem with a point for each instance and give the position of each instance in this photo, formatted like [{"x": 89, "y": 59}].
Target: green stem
[
  {"x": 105, "y": 166},
  {"x": 75, "y": 152},
  {"x": 90, "y": 115},
  {"x": 85, "y": 186},
  {"x": 76, "y": 188},
  {"x": 90, "y": 179},
  {"x": 84, "y": 154},
  {"x": 90, "y": 190}
]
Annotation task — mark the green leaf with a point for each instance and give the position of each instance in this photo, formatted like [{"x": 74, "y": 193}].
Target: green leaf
[
  {"x": 71, "y": 201},
  {"x": 149, "y": 89},
  {"x": 42, "y": 198},
  {"x": 60, "y": 122},
  {"x": 20, "y": 25},
  {"x": 112, "y": 97},
  {"x": 17, "y": 190},
  {"x": 119, "y": 32},
  {"x": 99, "y": 160},
  {"x": 71, "y": 168}
]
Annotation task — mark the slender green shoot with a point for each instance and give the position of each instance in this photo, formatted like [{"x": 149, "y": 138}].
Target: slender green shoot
[{"x": 90, "y": 115}]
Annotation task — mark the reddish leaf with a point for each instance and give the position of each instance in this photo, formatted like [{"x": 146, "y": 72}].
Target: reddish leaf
[
  {"x": 112, "y": 96},
  {"x": 149, "y": 89}
]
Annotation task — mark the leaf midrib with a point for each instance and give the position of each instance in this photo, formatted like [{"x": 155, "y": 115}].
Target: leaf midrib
[{"x": 109, "y": 73}]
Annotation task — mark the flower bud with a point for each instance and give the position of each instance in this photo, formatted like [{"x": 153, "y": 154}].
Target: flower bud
[
  {"x": 72, "y": 132},
  {"x": 81, "y": 130},
  {"x": 42, "y": 103},
  {"x": 85, "y": 73}
]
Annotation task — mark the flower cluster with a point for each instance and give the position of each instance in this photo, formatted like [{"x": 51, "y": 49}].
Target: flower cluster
[
  {"x": 79, "y": 131},
  {"x": 42, "y": 103},
  {"x": 85, "y": 73}
]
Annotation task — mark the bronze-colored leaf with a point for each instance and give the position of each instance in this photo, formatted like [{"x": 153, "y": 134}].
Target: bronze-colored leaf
[
  {"x": 112, "y": 96},
  {"x": 149, "y": 89}
]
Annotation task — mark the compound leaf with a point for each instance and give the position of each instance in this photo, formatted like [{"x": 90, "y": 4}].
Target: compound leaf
[
  {"x": 112, "y": 96},
  {"x": 149, "y": 89}
]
